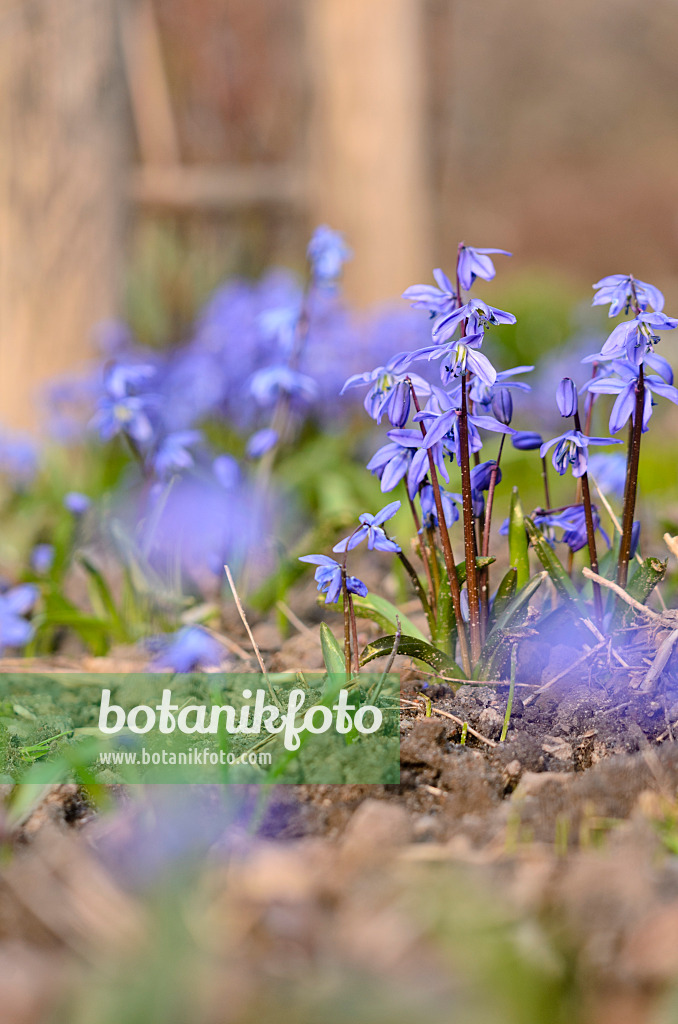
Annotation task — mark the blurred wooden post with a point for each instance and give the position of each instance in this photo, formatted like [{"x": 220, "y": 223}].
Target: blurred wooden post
[
  {"x": 62, "y": 191},
  {"x": 368, "y": 139}
]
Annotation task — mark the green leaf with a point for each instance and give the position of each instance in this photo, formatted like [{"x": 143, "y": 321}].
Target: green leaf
[
  {"x": 385, "y": 614},
  {"x": 445, "y": 636},
  {"x": 506, "y": 591},
  {"x": 102, "y": 598},
  {"x": 645, "y": 579},
  {"x": 412, "y": 647},
  {"x": 548, "y": 558},
  {"x": 481, "y": 563},
  {"x": 518, "y": 546},
  {"x": 511, "y": 617},
  {"x": 333, "y": 656}
]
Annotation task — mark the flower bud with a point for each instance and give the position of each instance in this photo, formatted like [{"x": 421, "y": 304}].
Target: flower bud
[
  {"x": 502, "y": 405},
  {"x": 526, "y": 440},
  {"x": 566, "y": 397}
]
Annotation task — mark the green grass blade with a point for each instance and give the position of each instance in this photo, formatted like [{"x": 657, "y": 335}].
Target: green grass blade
[{"x": 518, "y": 546}]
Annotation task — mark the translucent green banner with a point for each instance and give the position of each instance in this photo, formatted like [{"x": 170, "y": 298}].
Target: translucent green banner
[{"x": 198, "y": 728}]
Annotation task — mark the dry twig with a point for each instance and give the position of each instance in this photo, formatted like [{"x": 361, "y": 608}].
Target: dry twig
[
  {"x": 241, "y": 613},
  {"x": 631, "y": 601},
  {"x": 459, "y": 721}
]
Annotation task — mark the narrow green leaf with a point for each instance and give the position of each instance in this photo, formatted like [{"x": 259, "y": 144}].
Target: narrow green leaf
[
  {"x": 445, "y": 637},
  {"x": 385, "y": 614},
  {"x": 646, "y": 577},
  {"x": 333, "y": 652},
  {"x": 518, "y": 546},
  {"x": 548, "y": 558},
  {"x": 412, "y": 647},
  {"x": 102, "y": 598},
  {"x": 510, "y": 618},
  {"x": 506, "y": 591}
]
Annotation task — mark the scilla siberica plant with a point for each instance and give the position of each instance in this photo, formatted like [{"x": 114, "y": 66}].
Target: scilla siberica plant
[{"x": 435, "y": 427}]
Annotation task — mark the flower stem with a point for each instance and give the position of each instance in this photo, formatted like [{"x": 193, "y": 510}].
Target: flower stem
[
  {"x": 424, "y": 554},
  {"x": 485, "y": 547},
  {"x": 354, "y": 634},
  {"x": 347, "y": 623},
  {"x": 469, "y": 531},
  {"x": 453, "y": 582},
  {"x": 631, "y": 489},
  {"x": 590, "y": 534},
  {"x": 416, "y": 583}
]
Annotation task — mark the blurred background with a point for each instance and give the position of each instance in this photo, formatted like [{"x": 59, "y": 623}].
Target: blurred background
[{"x": 149, "y": 149}]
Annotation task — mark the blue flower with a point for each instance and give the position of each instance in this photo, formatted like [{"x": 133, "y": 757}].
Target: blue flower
[
  {"x": 419, "y": 464},
  {"x": 18, "y": 458},
  {"x": 327, "y": 252},
  {"x": 15, "y": 631},
  {"x": 122, "y": 409},
  {"x": 526, "y": 440},
  {"x": 189, "y": 649},
  {"x": 390, "y": 391},
  {"x": 497, "y": 397},
  {"x": 438, "y": 300},
  {"x": 172, "y": 454},
  {"x": 618, "y": 290},
  {"x": 391, "y": 463},
  {"x": 480, "y": 481},
  {"x": 227, "y": 471},
  {"x": 572, "y": 520},
  {"x": 42, "y": 558},
  {"x": 459, "y": 357},
  {"x": 609, "y": 472},
  {"x": 633, "y": 339},
  {"x": 269, "y": 384},
  {"x": 328, "y": 578},
  {"x": 572, "y": 450},
  {"x": 624, "y": 386},
  {"x": 76, "y": 503},
  {"x": 473, "y": 263},
  {"x": 478, "y": 314},
  {"x": 128, "y": 415},
  {"x": 445, "y": 424},
  {"x": 261, "y": 442},
  {"x": 566, "y": 397},
  {"x": 429, "y": 511},
  {"x": 371, "y": 529}
]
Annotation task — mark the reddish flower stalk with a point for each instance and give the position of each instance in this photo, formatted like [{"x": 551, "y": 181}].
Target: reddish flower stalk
[
  {"x": 455, "y": 593},
  {"x": 590, "y": 535},
  {"x": 469, "y": 529}
]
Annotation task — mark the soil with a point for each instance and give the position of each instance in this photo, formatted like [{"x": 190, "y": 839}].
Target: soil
[{"x": 556, "y": 848}]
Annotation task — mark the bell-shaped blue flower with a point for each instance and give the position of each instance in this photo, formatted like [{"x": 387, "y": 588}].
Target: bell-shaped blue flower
[
  {"x": 371, "y": 529},
  {"x": 328, "y": 577},
  {"x": 438, "y": 300},
  {"x": 623, "y": 291},
  {"x": 473, "y": 263},
  {"x": 571, "y": 450}
]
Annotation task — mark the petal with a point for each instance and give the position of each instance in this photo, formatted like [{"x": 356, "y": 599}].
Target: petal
[
  {"x": 417, "y": 472},
  {"x": 387, "y": 512},
  {"x": 318, "y": 560},
  {"x": 482, "y": 366},
  {"x": 443, "y": 281},
  {"x": 622, "y": 408},
  {"x": 353, "y": 540},
  {"x": 395, "y": 470},
  {"x": 440, "y": 428},
  {"x": 360, "y": 379},
  {"x": 660, "y": 365},
  {"x": 19, "y": 600}
]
